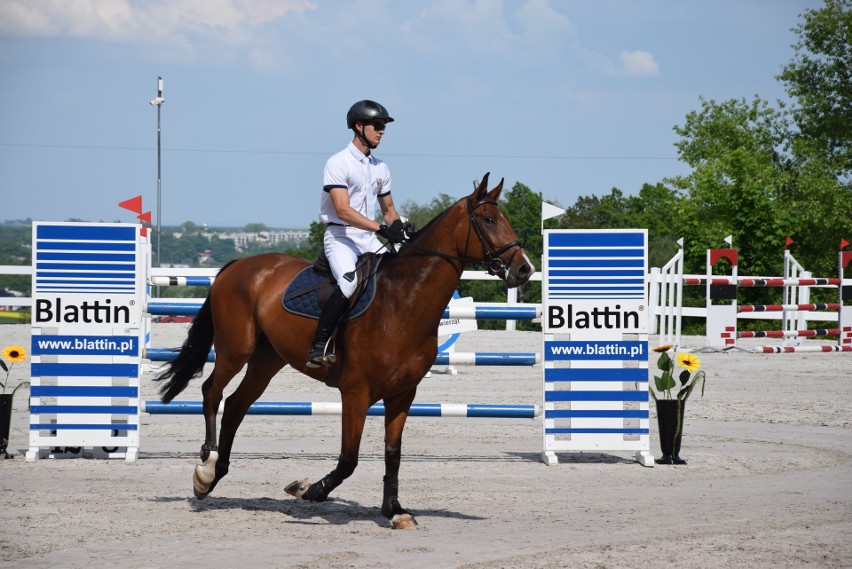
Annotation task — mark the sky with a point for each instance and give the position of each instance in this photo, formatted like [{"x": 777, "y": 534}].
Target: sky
[{"x": 568, "y": 97}]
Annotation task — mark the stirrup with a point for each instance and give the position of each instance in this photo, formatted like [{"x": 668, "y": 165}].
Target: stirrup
[{"x": 318, "y": 357}]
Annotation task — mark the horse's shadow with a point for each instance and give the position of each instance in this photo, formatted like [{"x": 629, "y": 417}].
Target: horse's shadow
[{"x": 334, "y": 511}]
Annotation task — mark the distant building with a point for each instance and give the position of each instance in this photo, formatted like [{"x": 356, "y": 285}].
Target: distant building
[{"x": 242, "y": 239}]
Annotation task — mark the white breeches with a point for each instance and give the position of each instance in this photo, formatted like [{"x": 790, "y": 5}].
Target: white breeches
[{"x": 342, "y": 246}]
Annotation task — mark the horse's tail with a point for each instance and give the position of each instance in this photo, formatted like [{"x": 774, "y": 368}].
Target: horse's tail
[{"x": 190, "y": 361}]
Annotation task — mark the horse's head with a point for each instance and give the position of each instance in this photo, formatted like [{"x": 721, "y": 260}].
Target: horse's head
[{"x": 496, "y": 244}]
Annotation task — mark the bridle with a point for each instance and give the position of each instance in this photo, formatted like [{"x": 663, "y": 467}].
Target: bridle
[{"x": 492, "y": 262}]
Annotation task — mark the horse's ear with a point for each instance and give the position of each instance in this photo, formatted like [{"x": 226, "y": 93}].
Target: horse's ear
[
  {"x": 495, "y": 193},
  {"x": 482, "y": 189}
]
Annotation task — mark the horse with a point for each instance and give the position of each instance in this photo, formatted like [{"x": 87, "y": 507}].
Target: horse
[{"x": 381, "y": 355}]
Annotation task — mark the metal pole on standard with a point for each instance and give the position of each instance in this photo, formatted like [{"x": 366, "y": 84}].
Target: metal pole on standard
[{"x": 158, "y": 102}]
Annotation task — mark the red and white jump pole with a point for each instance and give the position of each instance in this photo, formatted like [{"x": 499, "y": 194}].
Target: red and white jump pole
[{"x": 722, "y": 333}]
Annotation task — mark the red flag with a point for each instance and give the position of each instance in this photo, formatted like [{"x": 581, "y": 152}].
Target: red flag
[
  {"x": 843, "y": 242},
  {"x": 144, "y": 231},
  {"x": 133, "y": 204},
  {"x": 788, "y": 242},
  {"x": 145, "y": 217}
]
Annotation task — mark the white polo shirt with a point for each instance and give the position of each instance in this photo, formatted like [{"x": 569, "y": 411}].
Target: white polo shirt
[{"x": 364, "y": 177}]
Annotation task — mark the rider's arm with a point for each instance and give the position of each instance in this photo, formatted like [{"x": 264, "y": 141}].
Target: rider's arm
[
  {"x": 389, "y": 213},
  {"x": 349, "y": 215}
]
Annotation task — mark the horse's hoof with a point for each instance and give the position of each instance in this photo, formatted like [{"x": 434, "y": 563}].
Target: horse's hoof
[
  {"x": 403, "y": 521},
  {"x": 298, "y": 488},
  {"x": 204, "y": 475},
  {"x": 201, "y": 480}
]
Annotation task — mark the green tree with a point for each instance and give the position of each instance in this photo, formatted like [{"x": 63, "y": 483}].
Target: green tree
[
  {"x": 819, "y": 78},
  {"x": 420, "y": 215},
  {"x": 739, "y": 180},
  {"x": 255, "y": 228}
]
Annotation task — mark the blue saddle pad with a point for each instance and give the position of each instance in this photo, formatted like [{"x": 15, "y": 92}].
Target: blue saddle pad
[{"x": 302, "y": 295}]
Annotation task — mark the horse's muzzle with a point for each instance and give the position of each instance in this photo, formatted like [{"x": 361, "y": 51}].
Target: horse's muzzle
[{"x": 519, "y": 273}]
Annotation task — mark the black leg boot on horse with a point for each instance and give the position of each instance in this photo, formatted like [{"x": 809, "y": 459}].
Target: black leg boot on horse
[{"x": 331, "y": 313}]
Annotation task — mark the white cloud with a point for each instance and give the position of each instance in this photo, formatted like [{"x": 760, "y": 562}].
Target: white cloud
[
  {"x": 638, "y": 63},
  {"x": 543, "y": 27},
  {"x": 138, "y": 21}
]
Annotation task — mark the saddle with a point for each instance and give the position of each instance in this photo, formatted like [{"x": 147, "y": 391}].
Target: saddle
[{"x": 306, "y": 294}]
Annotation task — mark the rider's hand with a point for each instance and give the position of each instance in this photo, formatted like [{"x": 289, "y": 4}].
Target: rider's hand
[{"x": 395, "y": 233}]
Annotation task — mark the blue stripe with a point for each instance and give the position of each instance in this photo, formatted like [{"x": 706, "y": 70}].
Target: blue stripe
[
  {"x": 87, "y": 278},
  {"x": 569, "y": 286},
  {"x": 580, "y": 239},
  {"x": 99, "y": 267},
  {"x": 595, "y": 296},
  {"x": 82, "y": 427},
  {"x": 106, "y": 345},
  {"x": 91, "y": 246},
  {"x": 558, "y": 253},
  {"x": 598, "y": 273},
  {"x": 86, "y": 232},
  {"x": 597, "y": 263},
  {"x": 502, "y": 411},
  {"x": 596, "y": 350},
  {"x": 84, "y": 370},
  {"x": 121, "y": 282},
  {"x": 114, "y": 289},
  {"x": 131, "y": 258},
  {"x": 596, "y": 431},
  {"x": 595, "y": 414},
  {"x": 596, "y": 374},
  {"x": 83, "y": 391},
  {"x": 565, "y": 281},
  {"x": 199, "y": 281},
  {"x": 85, "y": 409},
  {"x": 596, "y": 395}
]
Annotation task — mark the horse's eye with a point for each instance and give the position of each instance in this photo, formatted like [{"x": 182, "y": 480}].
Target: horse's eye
[{"x": 488, "y": 219}]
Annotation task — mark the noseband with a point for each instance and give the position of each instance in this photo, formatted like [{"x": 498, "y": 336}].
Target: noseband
[{"x": 492, "y": 262}]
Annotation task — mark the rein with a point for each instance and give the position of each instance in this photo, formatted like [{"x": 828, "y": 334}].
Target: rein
[{"x": 492, "y": 262}]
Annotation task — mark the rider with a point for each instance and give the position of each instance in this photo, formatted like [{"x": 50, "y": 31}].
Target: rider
[{"x": 353, "y": 181}]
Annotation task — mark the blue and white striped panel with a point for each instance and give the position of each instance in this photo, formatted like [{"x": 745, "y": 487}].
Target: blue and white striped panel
[
  {"x": 591, "y": 376},
  {"x": 595, "y": 265},
  {"x": 84, "y": 259}
]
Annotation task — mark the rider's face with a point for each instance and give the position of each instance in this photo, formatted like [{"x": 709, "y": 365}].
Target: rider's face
[{"x": 374, "y": 130}]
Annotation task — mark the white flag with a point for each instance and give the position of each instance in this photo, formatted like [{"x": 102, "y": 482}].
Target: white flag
[
  {"x": 548, "y": 211},
  {"x": 729, "y": 240}
]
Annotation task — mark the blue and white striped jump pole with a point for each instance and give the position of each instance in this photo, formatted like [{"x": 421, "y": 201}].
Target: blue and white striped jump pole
[
  {"x": 451, "y": 358},
  {"x": 331, "y": 408},
  {"x": 466, "y": 312}
]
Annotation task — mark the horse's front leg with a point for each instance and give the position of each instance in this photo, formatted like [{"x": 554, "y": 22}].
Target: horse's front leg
[
  {"x": 354, "y": 416},
  {"x": 396, "y": 413}
]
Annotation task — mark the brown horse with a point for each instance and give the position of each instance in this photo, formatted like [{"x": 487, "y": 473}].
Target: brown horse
[{"x": 381, "y": 355}]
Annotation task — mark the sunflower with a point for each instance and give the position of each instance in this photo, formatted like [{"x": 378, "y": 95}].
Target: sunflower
[
  {"x": 14, "y": 354},
  {"x": 688, "y": 362},
  {"x": 663, "y": 348}
]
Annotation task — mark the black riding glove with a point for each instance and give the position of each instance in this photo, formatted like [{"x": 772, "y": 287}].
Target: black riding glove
[{"x": 395, "y": 233}]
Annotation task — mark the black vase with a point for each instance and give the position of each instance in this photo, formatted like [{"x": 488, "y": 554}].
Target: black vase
[
  {"x": 670, "y": 422},
  {"x": 5, "y": 422}
]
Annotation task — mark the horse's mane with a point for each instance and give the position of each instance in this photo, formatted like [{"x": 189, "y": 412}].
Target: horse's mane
[{"x": 432, "y": 221}]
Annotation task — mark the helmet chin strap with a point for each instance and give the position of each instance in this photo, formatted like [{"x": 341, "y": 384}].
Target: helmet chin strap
[{"x": 360, "y": 135}]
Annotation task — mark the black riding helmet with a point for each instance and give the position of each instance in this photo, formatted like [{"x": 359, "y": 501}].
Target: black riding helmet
[{"x": 364, "y": 111}]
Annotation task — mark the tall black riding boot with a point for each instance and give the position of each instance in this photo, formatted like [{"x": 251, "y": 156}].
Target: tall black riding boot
[{"x": 333, "y": 309}]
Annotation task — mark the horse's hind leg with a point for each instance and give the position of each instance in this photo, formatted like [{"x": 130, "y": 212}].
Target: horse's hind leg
[
  {"x": 262, "y": 367},
  {"x": 223, "y": 372},
  {"x": 355, "y": 407}
]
